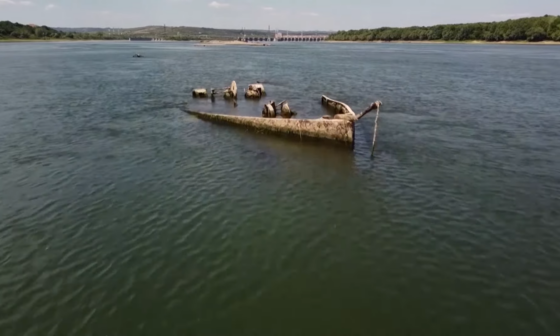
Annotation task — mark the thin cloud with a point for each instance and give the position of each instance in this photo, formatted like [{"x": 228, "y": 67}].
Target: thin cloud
[
  {"x": 15, "y": 3},
  {"x": 215, "y": 4},
  {"x": 310, "y": 14},
  {"x": 50, "y": 6},
  {"x": 268, "y": 8}
]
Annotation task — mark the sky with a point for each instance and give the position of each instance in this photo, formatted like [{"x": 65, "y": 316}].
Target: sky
[{"x": 259, "y": 14}]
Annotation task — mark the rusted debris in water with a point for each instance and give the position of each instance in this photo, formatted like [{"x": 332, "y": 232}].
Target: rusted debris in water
[
  {"x": 343, "y": 111},
  {"x": 199, "y": 93},
  {"x": 231, "y": 91},
  {"x": 285, "y": 110},
  {"x": 255, "y": 91},
  {"x": 269, "y": 110},
  {"x": 257, "y": 86},
  {"x": 336, "y": 106}
]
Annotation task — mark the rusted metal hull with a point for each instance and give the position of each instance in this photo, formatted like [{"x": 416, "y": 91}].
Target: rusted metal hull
[
  {"x": 339, "y": 107},
  {"x": 340, "y": 131}
]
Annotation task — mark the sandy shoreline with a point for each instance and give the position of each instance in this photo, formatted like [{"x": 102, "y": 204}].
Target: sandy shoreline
[
  {"x": 456, "y": 42},
  {"x": 224, "y": 43}
]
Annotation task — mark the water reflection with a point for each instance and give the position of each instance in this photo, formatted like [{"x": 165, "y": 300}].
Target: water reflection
[{"x": 293, "y": 151}]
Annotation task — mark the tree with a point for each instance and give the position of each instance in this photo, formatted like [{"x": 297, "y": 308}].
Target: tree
[
  {"x": 530, "y": 29},
  {"x": 536, "y": 34}
]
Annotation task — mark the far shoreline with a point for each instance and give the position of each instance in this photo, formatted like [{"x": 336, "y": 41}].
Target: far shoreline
[
  {"x": 53, "y": 40},
  {"x": 200, "y": 43},
  {"x": 197, "y": 43},
  {"x": 454, "y": 42}
]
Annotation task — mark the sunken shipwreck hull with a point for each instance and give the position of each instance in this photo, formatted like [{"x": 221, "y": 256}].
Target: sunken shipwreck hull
[{"x": 335, "y": 130}]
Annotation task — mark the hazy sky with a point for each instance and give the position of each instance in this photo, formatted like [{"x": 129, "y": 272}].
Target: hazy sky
[{"x": 258, "y": 14}]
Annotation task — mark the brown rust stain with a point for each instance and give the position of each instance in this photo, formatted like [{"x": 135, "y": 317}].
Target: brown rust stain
[{"x": 338, "y": 106}]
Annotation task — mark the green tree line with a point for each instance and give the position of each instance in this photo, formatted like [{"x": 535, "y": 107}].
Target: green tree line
[
  {"x": 534, "y": 29},
  {"x": 9, "y": 30}
]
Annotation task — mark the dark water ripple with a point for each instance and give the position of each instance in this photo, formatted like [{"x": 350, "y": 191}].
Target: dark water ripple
[{"x": 120, "y": 214}]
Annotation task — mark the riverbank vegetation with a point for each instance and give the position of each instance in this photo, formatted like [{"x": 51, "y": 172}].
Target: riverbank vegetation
[
  {"x": 534, "y": 29},
  {"x": 17, "y": 31}
]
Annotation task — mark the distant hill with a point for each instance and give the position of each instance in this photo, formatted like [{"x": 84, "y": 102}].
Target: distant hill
[
  {"x": 12, "y": 31},
  {"x": 183, "y": 32},
  {"x": 9, "y": 30},
  {"x": 82, "y": 30}
]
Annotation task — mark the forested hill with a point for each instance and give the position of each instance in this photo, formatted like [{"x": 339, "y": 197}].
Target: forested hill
[
  {"x": 10, "y": 30},
  {"x": 17, "y": 30},
  {"x": 534, "y": 29}
]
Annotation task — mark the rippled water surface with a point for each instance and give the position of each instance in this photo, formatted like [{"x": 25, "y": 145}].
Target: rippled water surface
[{"x": 120, "y": 214}]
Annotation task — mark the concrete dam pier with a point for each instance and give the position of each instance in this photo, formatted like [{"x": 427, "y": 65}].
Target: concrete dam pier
[{"x": 279, "y": 37}]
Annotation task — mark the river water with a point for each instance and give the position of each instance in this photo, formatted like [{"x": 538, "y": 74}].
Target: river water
[{"x": 120, "y": 214}]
